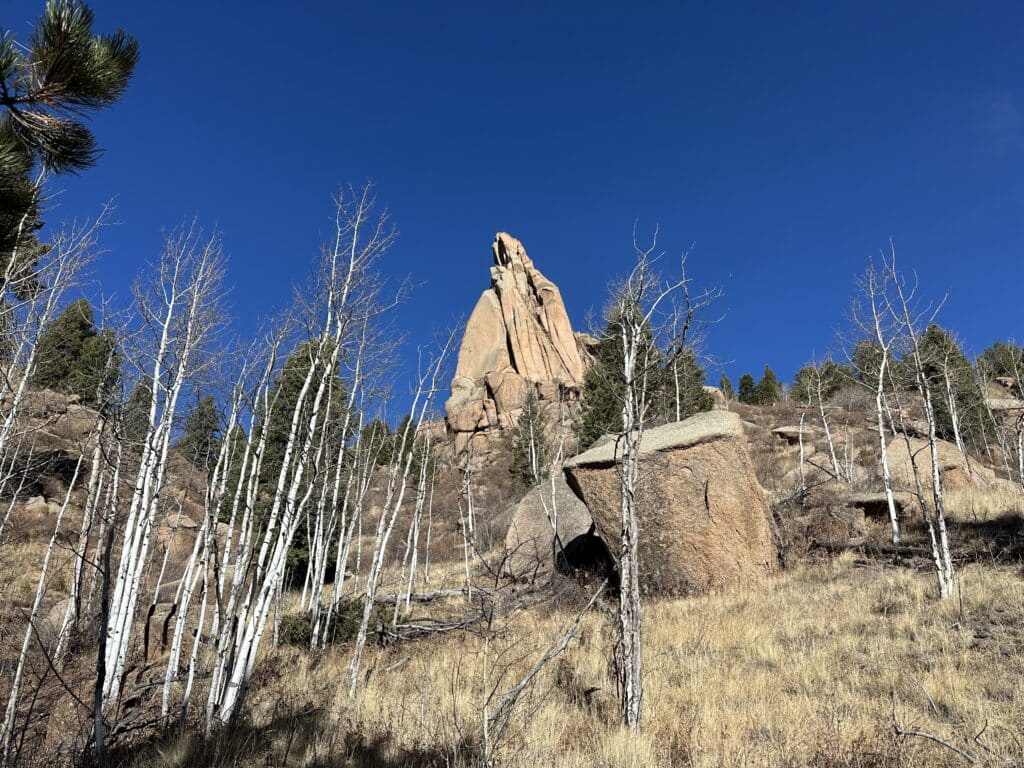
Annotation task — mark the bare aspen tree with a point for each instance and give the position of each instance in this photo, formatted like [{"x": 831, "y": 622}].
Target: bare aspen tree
[
  {"x": 1020, "y": 449},
  {"x": 874, "y": 323},
  {"x": 800, "y": 438},
  {"x": 398, "y": 477},
  {"x": 179, "y": 309},
  {"x": 817, "y": 391},
  {"x": 7, "y": 732},
  {"x": 340, "y": 281},
  {"x": 635, "y": 308},
  {"x": 902, "y": 306},
  {"x": 30, "y": 309},
  {"x": 954, "y": 412}
]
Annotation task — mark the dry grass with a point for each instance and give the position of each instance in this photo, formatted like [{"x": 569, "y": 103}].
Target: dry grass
[
  {"x": 803, "y": 672},
  {"x": 975, "y": 505}
]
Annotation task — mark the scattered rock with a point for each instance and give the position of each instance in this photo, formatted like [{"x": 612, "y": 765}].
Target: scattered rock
[{"x": 791, "y": 435}]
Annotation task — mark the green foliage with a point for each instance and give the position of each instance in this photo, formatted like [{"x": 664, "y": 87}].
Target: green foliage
[
  {"x": 768, "y": 390},
  {"x": 377, "y": 438},
  {"x": 748, "y": 390},
  {"x": 46, "y": 87},
  {"x": 1004, "y": 359},
  {"x": 284, "y": 397},
  {"x": 944, "y": 362},
  {"x": 201, "y": 434},
  {"x": 725, "y": 385},
  {"x": 686, "y": 382},
  {"x": 73, "y": 356},
  {"x": 765, "y": 392},
  {"x": 604, "y": 385},
  {"x": 135, "y": 416},
  {"x": 296, "y": 629},
  {"x": 834, "y": 376},
  {"x": 531, "y": 447},
  {"x": 867, "y": 360}
]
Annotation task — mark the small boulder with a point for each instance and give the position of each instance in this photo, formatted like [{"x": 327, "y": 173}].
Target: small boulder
[
  {"x": 37, "y": 507},
  {"x": 529, "y": 541}
]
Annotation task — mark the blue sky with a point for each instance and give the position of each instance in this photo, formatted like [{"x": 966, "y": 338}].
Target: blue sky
[{"x": 786, "y": 142}]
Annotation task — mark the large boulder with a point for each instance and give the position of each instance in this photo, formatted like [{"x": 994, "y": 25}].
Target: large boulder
[
  {"x": 528, "y": 543},
  {"x": 703, "y": 516}
]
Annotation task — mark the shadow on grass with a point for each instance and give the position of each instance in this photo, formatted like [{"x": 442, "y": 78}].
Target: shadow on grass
[
  {"x": 303, "y": 738},
  {"x": 998, "y": 540}
]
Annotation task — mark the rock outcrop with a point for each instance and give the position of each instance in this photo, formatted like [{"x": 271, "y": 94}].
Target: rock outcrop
[
  {"x": 518, "y": 338},
  {"x": 528, "y": 543},
  {"x": 703, "y": 516},
  {"x": 957, "y": 470}
]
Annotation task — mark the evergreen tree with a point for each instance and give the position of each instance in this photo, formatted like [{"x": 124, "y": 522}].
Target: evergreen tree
[
  {"x": 73, "y": 356},
  {"x": 693, "y": 398},
  {"x": 948, "y": 369},
  {"x": 531, "y": 448},
  {"x": 63, "y": 73},
  {"x": 768, "y": 390},
  {"x": 200, "y": 437},
  {"x": 725, "y": 385},
  {"x": 135, "y": 416},
  {"x": 376, "y": 436},
  {"x": 283, "y": 398},
  {"x": 603, "y": 385},
  {"x": 867, "y": 360},
  {"x": 834, "y": 376},
  {"x": 748, "y": 390},
  {"x": 1003, "y": 359}
]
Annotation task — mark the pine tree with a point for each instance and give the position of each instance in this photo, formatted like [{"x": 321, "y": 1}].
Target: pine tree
[
  {"x": 693, "y": 398},
  {"x": 283, "y": 398},
  {"x": 748, "y": 390},
  {"x": 63, "y": 73},
  {"x": 725, "y": 385},
  {"x": 949, "y": 374},
  {"x": 135, "y": 416},
  {"x": 530, "y": 445},
  {"x": 768, "y": 390},
  {"x": 867, "y": 360},
  {"x": 200, "y": 437},
  {"x": 1004, "y": 359},
  {"x": 603, "y": 386},
  {"x": 377, "y": 437},
  {"x": 73, "y": 356},
  {"x": 834, "y": 376}
]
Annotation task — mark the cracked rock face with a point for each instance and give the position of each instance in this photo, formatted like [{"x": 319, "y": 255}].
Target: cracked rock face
[
  {"x": 703, "y": 516},
  {"x": 518, "y": 338}
]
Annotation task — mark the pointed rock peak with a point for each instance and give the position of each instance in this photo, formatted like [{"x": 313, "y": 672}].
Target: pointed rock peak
[
  {"x": 518, "y": 336},
  {"x": 508, "y": 251}
]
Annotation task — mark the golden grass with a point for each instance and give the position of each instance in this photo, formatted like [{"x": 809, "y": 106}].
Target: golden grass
[
  {"x": 978, "y": 505},
  {"x": 805, "y": 671}
]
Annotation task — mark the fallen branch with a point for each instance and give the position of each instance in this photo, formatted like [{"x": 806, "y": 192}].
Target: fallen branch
[{"x": 498, "y": 719}]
